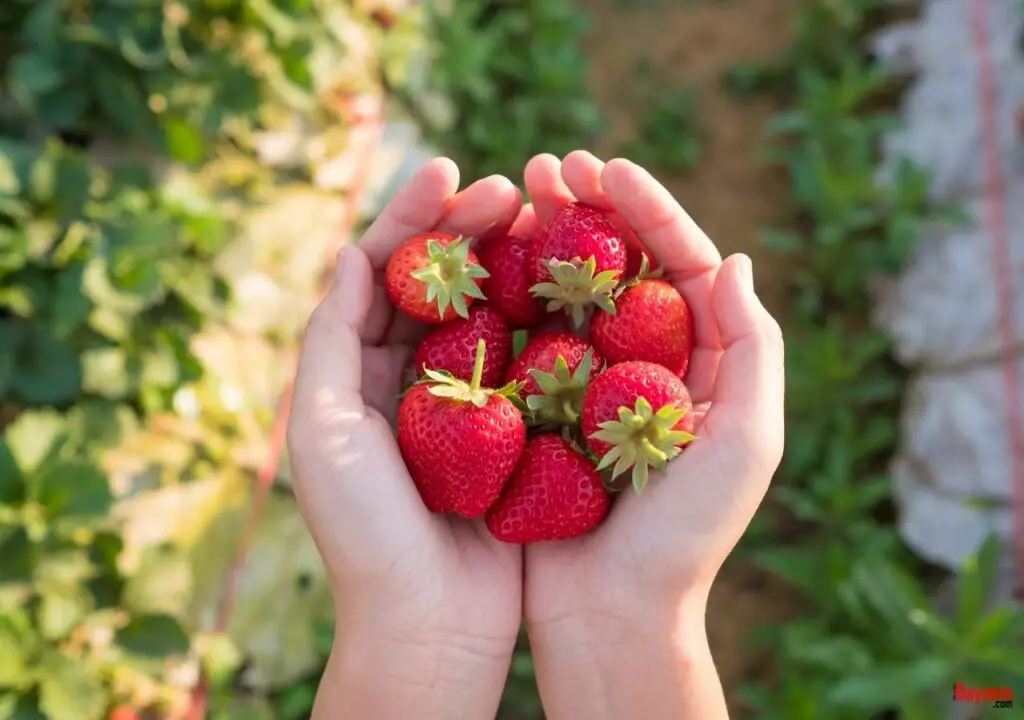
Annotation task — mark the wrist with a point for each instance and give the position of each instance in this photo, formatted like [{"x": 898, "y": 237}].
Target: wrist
[
  {"x": 653, "y": 662},
  {"x": 401, "y": 670}
]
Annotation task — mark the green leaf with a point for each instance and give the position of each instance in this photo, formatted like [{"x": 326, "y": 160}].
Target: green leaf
[
  {"x": 12, "y": 482},
  {"x": 976, "y": 580},
  {"x": 106, "y": 372},
  {"x": 73, "y": 185},
  {"x": 184, "y": 142},
  {"x": 35, "y": 438},
  {"x": 48, "y": 372},
  {"x": 70, "y": 306},
  {"x": 62, "y": 612},
  {"x": 31, "y": 75},
  {"x": 73, "y": 491},
  {"x": 71, "y": 690},
  {"x": 12, "y": 335},
  {"x": 18, "y": 644},
  {"x": 17, "y": 555},
  {"x": 889, "y": 685},
  {"x": 153, "y": 636},
  {"x": 163, "y": 582}
]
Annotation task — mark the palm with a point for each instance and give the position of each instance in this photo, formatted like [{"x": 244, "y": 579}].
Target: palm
[
  {"x": 471, "y": 578},
  {"x": 679, "y": 530},
  {"x": 444, "y": 577}
]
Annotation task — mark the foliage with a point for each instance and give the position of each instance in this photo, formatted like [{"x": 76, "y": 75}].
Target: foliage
[
  {"x": 512, "y": 81},
  {"x": 872, "y": 640},
  {"x": 129, "y": 143}
]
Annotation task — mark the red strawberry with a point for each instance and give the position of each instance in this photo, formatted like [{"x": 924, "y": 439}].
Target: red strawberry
[
  {"x": 651, "y": 322},
  {"x": 452, "y": 346},
  {"x": 460, "y": 441},
  {"x": 579, "y": 257},
  {"x": 555, "y": 369},
  {"x": 506, "y": 258},
  {"x": 434, "y": 277},
  {"x": 555, "y": 493},
  {"x": 633, "y": 416},
  {"x": 123, "y": 712}
]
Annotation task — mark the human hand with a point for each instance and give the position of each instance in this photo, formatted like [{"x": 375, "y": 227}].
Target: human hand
[
  {"x": 422, "y": 599},
  {"x": 607, "y": 612}
]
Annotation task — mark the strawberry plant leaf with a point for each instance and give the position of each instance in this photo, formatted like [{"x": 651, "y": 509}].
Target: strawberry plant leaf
[
  {"x": 73, "y": 491},
  {"x": 888, "y": 685},
  {"x": 48, "y": 371},
  {"x": 70, "y": 690},
  {"x": 153, "y": 636}
]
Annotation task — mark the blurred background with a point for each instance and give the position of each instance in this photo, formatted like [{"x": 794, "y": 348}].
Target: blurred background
[{"x": 176, "y": 176}]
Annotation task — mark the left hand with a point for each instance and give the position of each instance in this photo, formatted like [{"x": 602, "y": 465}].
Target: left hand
[{"x": 423, "y": 601}]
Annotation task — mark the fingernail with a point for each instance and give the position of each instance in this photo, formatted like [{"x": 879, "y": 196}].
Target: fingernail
[
  {"x": 339, "y": 263},
  {"x": 746, "y": 270}
]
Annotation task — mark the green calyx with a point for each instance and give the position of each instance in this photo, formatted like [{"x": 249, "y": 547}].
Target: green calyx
[
  {"x": 642, "y": 439},
  {"x": 562, "y": 391},
  {"x": 445, "y": 385},
  {"x": 451, "y": 277},
  {"x": 575, "y": 288},
  {"x": 644, "y": 273}
]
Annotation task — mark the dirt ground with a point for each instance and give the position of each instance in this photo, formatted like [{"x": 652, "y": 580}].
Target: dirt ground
[{"x": 731, "y": 194}]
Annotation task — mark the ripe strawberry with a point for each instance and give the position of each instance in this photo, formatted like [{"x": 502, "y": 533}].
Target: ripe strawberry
[
  {"x": 652, "y": 322},
  {"x": 451, "y": 346},
  {"x": 508, "y": 287},
  {"x": 555, "y": 493},
  {"x": 123, "y": 712},
  {"x": 460, "y": 441},
  {"x": 633, "y": 417},
  {"x": 555, "y": 369},
  {"x": 434, "y": 277},
  {"x": 579, "y": 257}
]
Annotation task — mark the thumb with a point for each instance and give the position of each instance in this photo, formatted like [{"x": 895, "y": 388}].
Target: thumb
[{"x": 330, "y": 364}]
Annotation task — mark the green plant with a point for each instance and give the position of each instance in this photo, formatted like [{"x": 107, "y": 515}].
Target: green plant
[
  {"x": 129, "y": 147},
  {"x": 671, "y": 133},
  {"x": 511, "y": 82},
  {"x": 872, "y": 641}
]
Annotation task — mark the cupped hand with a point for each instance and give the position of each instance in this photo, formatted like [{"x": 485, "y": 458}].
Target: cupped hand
[
  {"x": 661, "y": 549},
  {"x": 396, "y": 569}
]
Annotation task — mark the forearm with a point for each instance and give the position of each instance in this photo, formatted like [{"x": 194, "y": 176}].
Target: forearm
[
  {"x": 372, "y": 677},
  {"x": 605, "y": 669}
]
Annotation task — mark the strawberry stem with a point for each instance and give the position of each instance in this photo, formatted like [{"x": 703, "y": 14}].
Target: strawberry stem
[{"x": 478, "y": 366}]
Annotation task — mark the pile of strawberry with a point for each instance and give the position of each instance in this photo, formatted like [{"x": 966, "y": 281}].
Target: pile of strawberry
[{"x": 537, "y": 442}]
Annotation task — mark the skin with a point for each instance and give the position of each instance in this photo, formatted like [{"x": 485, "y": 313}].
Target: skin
[{"x": 423, "y": 602}]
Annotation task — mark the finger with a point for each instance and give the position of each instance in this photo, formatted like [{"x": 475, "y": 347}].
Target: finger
[
  {"x": 748, "y": 400},
  {"x": 665, "y": 229},
  {"x": 417, "y": 207},
  {"x": 545, "y": 186},
  {"x": 488, "y": 205},
  {"x": 707, "y": 347},
  {"x": 581, "y": 172},
  {"x": 329, "y": 361},
  {"x": 526, "y": 224}
]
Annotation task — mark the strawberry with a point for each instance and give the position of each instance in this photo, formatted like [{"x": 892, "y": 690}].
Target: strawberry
[
  {"x": 652, "y": 322},
  {"x": 555, "y": 369},
  {"x": 123, "y": 712},
  {"x": 451, "y": 347},
  {"x": 578, "y": 258},
  {"x": 434, "y": 277},
  {"x": 555, "y": 493},
  {"x": 508, "y": 286},
  {"x": 633, "y": 416},
  {"x": 460, "y": 441}
]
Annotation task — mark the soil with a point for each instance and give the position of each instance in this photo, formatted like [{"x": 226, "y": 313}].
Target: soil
[{"x": 732, "y": 194}]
